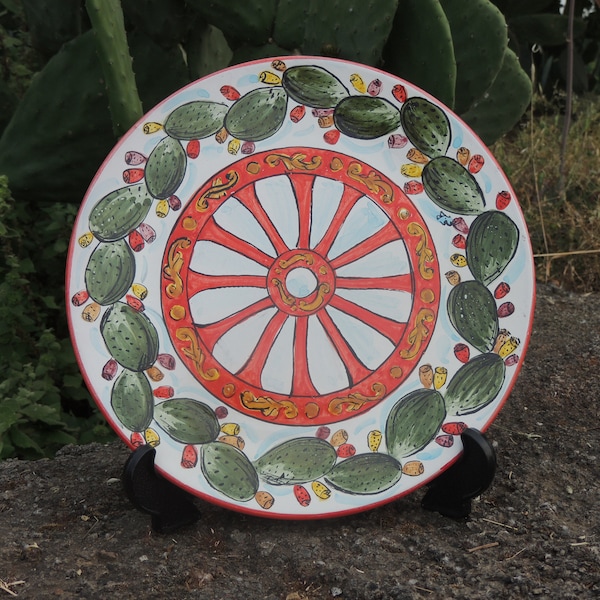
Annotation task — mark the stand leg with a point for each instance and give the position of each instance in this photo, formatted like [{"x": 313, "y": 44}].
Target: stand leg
[
  {"x": 451, "y": 493},
  {"x": 169, "y": 506}
]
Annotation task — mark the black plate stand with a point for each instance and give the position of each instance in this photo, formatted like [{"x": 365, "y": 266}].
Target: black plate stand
[
  {"x": 451, "y": 493},
  {"x": 170, "y": 507}
]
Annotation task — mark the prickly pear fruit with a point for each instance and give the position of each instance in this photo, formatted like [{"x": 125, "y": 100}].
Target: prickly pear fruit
[
  {"x": 110, "y": 272},
  {"x": 313, "y": 86},
  {"x": 187, "y": 421},
  {"x": 131, "y": 399},
  {"x": 130, "y": 337},
  {"x": 366, "y": 117},
  {"x": 472, "y": 312},
  {"x": 491, "y": 245},
  {"x": 165, "y": 168},
  {"x": 452, "y": 187},
  {"x": 426, "y": 126},
  {"x": 120, "y": 212},
  {"x": 413, "y": 422},
  {"x": 475, "y": 384},
  {"x": 370, "y": 473},
  {"x": 296, "y": 461},
  {"x": 257, "y": 115},
  {"x": 196, "y": 120},
  {"x": 229, "y": 471}
]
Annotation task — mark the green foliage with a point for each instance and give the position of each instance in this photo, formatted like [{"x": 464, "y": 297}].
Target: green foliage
[
  {"x": 56, "y": 129},
  {"x": 564, "y": 227},
  {"x": 43, "y": 402}
]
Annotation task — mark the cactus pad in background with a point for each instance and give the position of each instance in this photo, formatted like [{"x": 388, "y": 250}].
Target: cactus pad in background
[
  {"x": 351, "y": 29},
  {"x": 480, "y": 39},
  {"x": 420, "y": 48},
  {"x": 301, "y": 271}
]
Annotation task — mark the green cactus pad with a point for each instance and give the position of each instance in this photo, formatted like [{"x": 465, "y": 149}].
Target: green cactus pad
[
  {"x": 130, "y": 337},
  {"x": 229, "y": 471},
  {"x": 257, "y": 115},
  {"x": 491, "y": 244},
  {"x": 452, "y": 187},
  {"x": 290, "y": 22},
  {"x": 365, "y": 117},
  {"x": 131, "y": 399},
  {"x": 110, "y": 272},
  {"x": 370, "y": 473},
  {"x": 475, "y": 384},
  {"x": 472, "y": 312},
  {"x": 497, "y": 111},
  {"x": 120, "y": 212},
  {"x": 421, "y": 50},
  {"x": 313, "y": 86},
  {"x": 426, "y": 126},
  {"x": 480, "y": 38},
  {"x": 413, "y": 422},
  {"x": 242, "y": 21},
  {"x": 350, "y": 29},
  {"x": 296, "y": 461},
  {"x": 196, "y": 120},
  {"x": 187, "y": 421},
  {"x": 165, "y": 168}
]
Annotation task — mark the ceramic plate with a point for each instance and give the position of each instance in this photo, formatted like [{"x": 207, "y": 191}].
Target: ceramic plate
[{"x": 300, "y": 280}]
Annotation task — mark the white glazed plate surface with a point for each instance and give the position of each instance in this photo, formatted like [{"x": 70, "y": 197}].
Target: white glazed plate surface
[{"x": 300, "y": 280}]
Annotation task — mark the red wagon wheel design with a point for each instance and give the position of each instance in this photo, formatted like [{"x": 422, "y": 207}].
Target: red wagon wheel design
[{"x": 300, "y": 286}]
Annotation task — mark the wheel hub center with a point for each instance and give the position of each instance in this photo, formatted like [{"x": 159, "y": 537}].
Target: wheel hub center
[{"x": 301, "y": 282}]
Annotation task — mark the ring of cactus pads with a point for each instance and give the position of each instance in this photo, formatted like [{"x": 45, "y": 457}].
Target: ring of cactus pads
[{"x": 300, "y": 280}]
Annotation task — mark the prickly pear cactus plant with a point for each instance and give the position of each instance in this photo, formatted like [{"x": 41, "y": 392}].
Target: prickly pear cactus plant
[{"x": 458, "y": 55}]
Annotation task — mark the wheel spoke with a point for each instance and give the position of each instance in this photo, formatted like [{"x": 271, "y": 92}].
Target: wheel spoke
[
  {"x": 212, "y": 333},
  {"x": 354, "y": 367},
  {"x": 347, "y": 202},
  {"x": 252, "y": 369},
  {"x": 199, "y": 282},
  {"x": 399, "y": 283},
  {"x": 392, "y": 330},
  {"x": 214, "y": 233},
  {"x": 303, "y": 189},
  {"x": 301, "y": 383},
  {"x": 386, "y": 234},
  {"x": 248, "y": 196}
]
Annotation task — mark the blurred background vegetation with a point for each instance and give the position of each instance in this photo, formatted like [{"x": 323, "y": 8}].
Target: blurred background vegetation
[{"x": 524, "y": 76}]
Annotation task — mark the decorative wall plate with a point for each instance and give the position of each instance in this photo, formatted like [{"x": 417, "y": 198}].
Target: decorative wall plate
[{"x": 300, "y": 280}]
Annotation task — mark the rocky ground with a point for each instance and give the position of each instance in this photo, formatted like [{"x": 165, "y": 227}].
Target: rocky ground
[{"x": 67, "y": 529}]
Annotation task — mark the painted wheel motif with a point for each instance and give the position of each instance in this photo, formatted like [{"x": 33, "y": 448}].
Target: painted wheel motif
[{"x": 304, "y": 298}]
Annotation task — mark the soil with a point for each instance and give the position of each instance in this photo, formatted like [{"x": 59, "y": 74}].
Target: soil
[{"x": 68, "y": 529}]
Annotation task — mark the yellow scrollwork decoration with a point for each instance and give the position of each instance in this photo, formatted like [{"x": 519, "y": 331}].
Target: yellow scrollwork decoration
[
  {"x": 195, "y": 354},
  {"x": 173, "y": 267},
  {"x": 417, "y": 336},
  {"x": 423, "y": 251},
  {"x": 296, "y": 162},
  {"x": 373, "y": 182},
  {"x": 285, "y": 297},
  {"x": 356, "y": 401},
  {"x": 322, "y": 291},
  {"x": 308, "y": 258},
  {"x": 217, "y": 190},
  {"x": 267, "y": 406}
]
